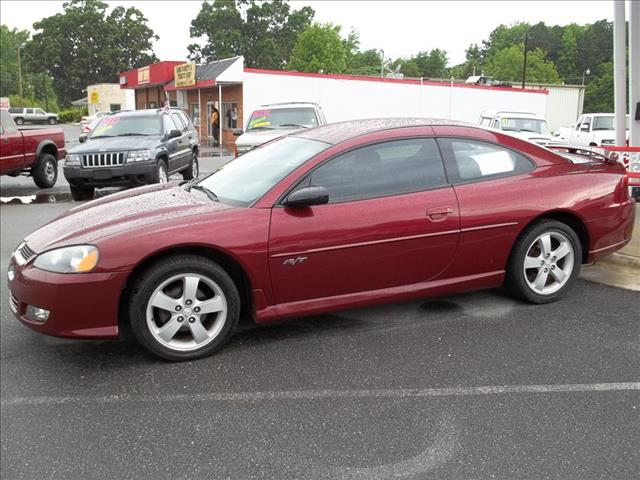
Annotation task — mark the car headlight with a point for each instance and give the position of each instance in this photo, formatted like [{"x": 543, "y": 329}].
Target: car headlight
[
  {"x": 76, "y": 259},
  {"x": 138, "y": 155},
  {"x": 72, "y": 159}
]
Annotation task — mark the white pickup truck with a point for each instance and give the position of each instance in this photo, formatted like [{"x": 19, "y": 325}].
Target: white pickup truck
[
  {"x": 524, "y": 125},
  {"x": 592, "y": 130}
]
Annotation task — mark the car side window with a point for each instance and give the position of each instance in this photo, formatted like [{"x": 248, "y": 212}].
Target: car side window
[
  {"x": 473, "y": 160},
  {"x": 389, "y": 168},
  {"x": 185, "y": 119},
  {"x": 579, "y": 122},
  {"x": 39, "y": 111},
  {"x": 8, "y": 126},
  {"x": 178, "y": 121},
  {"x": 169, "y": 124},
  {"x": 29, "y": 111}
]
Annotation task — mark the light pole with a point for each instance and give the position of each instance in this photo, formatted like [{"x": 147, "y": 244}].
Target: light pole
[
  {"x": 586, "y": 72},
  {"x": 381, "y": 63}
]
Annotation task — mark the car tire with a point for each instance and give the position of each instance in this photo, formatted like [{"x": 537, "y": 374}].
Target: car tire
[
  {"x": 45, "y": 172},
  {"x": 544, "y": 262},
  {"x": 19, "y": 121},
  {"x": 81, "y": 194},
  {"x": 52, "y": 121},
  {"x": 193, "y": 170},
  {"x": 161, "y": 175},
  {"x": 166, "y": 303}
]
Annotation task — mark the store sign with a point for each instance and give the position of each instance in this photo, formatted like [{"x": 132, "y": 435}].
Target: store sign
[
  {"x": 185, "y": 74},
  {"x": 143, "y": 75},
  {"x": 94, "y": 97}
]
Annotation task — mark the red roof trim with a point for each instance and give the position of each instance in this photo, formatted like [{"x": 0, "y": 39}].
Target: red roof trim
[
  {"x": 198, "y": 84},
  {"x": 391, "y": 80}
]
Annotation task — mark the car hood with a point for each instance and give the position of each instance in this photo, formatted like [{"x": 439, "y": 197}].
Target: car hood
[
  {"x": 116, "y": 144},
  {"x": 259, "y": 137},
  {"x": 120, "y": 213}
]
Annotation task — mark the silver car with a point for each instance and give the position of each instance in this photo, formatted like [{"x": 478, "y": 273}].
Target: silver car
[{"x": 32, "y": 115}]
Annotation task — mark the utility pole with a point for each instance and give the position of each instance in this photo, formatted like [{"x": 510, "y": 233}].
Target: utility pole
[
  {"x": 19, "y": 73},
  {"x": 524, "y": 65},
  {"x": 382, "y": 63},
  {"x": 44, "y": 92}
]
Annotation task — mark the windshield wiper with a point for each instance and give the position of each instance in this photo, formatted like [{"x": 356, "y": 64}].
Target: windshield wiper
[
  {"x": 204, "y": 189},
  {"x": 133, "y": 135},
  {"x": 259, "y": 128},
  {"x": 101, "y": 136},
  {"x": 292, "y": 125}
]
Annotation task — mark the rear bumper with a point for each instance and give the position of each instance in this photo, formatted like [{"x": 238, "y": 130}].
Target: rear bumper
[
  {"x": 80, "y": 305},
  {"x": 128, "y": 174},
  {"x": 611, "y": 233}
]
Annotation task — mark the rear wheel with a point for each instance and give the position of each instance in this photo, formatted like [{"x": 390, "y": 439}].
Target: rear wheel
[
  {"x": 80, "y": 194},
  {"x": 52, "y": 121},
  {"x": 19, "y": 121},
  {"x": 193, "y": 169},
  {"x": 45, "y": 173},
  {"x": 183, "y": 308},
  {"x": 545, "y": 262}
]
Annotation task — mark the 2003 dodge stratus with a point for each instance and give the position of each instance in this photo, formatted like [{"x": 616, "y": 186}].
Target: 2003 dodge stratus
[{"x": 339, "y": 216}]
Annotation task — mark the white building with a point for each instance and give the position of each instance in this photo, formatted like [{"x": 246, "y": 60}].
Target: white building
[{"x": 109, "y": 97}]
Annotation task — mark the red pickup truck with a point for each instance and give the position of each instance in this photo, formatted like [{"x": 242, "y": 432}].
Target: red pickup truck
[{"x": 35, "y": 152}]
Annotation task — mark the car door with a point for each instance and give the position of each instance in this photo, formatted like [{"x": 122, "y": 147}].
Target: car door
[
  {"x": 582, "y": 131},
  {"x": 184, "y": 142},
  {"x": 493, "y": 187},
  {"x": 39, "y": 115},
  {"x": 392, "y": 220},
  {"x": 173, "y": 147},
  {"x": 11, "y": 144}
]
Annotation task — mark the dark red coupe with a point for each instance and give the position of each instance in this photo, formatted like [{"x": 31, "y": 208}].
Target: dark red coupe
[{"x": 340, "y": 216}]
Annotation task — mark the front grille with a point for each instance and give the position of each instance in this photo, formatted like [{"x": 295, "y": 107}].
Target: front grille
[
  {"x": 13, "y": 303},
  {"x": 110, "y": 159}
]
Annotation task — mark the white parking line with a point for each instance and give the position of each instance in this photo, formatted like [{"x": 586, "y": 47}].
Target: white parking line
[{"x": 325, "y": 394}]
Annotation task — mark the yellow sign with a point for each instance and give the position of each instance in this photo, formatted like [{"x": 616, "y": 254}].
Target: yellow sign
[
  {"x": 185, "y": 74},
  {"x": 143, "y": 75},
  {"x": 94, "y": 97}
]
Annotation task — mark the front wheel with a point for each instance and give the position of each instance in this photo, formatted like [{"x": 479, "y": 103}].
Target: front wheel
[
  {"x": 183, "y": 308},
  {"x": 45, "y": 173},
  {"x": 161, "y": 175},
  {"x": 545, "y": 262},
  {"x": 193, "y": 169}
]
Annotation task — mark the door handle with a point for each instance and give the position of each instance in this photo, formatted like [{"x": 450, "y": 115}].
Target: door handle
[{"x": 437, "y": 214}]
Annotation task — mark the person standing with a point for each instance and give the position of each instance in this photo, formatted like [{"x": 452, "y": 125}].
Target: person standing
[{"x": 215, "y": 125}]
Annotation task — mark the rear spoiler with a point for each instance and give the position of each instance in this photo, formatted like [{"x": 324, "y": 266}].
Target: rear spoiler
[{"x": 587, "y": 153}]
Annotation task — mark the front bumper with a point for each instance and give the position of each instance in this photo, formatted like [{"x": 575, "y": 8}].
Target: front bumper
[
  {"x": 128, "y": 174},
  {"x": 83, "y": 305}
]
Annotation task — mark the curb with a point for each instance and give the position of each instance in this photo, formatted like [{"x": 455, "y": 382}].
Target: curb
[{"x": 620, "y": 259}]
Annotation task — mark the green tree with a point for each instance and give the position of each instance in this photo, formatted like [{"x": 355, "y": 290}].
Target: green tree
[
  {"x": 10, "y": 42},
  {"x": 263, "y": 32},
  {"x": 599, "y": 93},
  {"x": 319, "y": 48},
  {"x": 506, "y": 65},
  {"x": 83, "y": 45}
]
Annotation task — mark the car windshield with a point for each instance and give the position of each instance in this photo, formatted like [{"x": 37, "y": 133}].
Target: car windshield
[
  {"x": 121, "y": 126},
  {"x": 606, "y": 123},
  {"x": 267, "y": 119},
  {"x": 524, "y": 125},
  {"x": 247, "y": 178}
]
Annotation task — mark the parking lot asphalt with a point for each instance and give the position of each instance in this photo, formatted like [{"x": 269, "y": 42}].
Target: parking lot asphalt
[{"x": 470, "y": 386}]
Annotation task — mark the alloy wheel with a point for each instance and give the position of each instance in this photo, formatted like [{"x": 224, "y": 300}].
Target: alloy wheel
[
  {"x": 50, "y": 171},
  {"x": 549, "y": 262},
  {"x": 186, "y": 312}
]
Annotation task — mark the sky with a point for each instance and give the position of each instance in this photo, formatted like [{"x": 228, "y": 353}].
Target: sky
[{"x": 400, "y": 28}]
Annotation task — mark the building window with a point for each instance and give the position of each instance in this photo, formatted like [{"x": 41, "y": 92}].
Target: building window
[
  {"x": 114, "y": 107},
  {"x": 229, "y": 115}
]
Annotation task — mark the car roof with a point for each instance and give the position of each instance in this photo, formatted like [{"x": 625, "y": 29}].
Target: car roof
[
  {"x": 146, "y": 111},
  {"x": 502, "y": 113},
  {"x": 334, "y": 133},
  {"x": 275, "y": 106}
]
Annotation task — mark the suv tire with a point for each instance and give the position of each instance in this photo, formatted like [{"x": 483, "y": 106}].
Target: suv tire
[
  {"x": 154, "y": 304},
  {"x": 19, "y": 121},
  {"x": 161, "y": 175},
  {"x": 80, "y": 194},
  {"x": 45, "y": 173},
  {"x": 52, "y": 121},
  {"x": 193, "y": 170}
]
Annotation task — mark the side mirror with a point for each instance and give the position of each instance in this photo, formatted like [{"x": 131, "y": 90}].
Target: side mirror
[
  {"x": 307, "y": 196},
  {"x": 237, "y": 132},
  {"x": 174, "y": 134},
  {"x": 82, "y": 138},
  {"x": 584, "y": 127}
]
